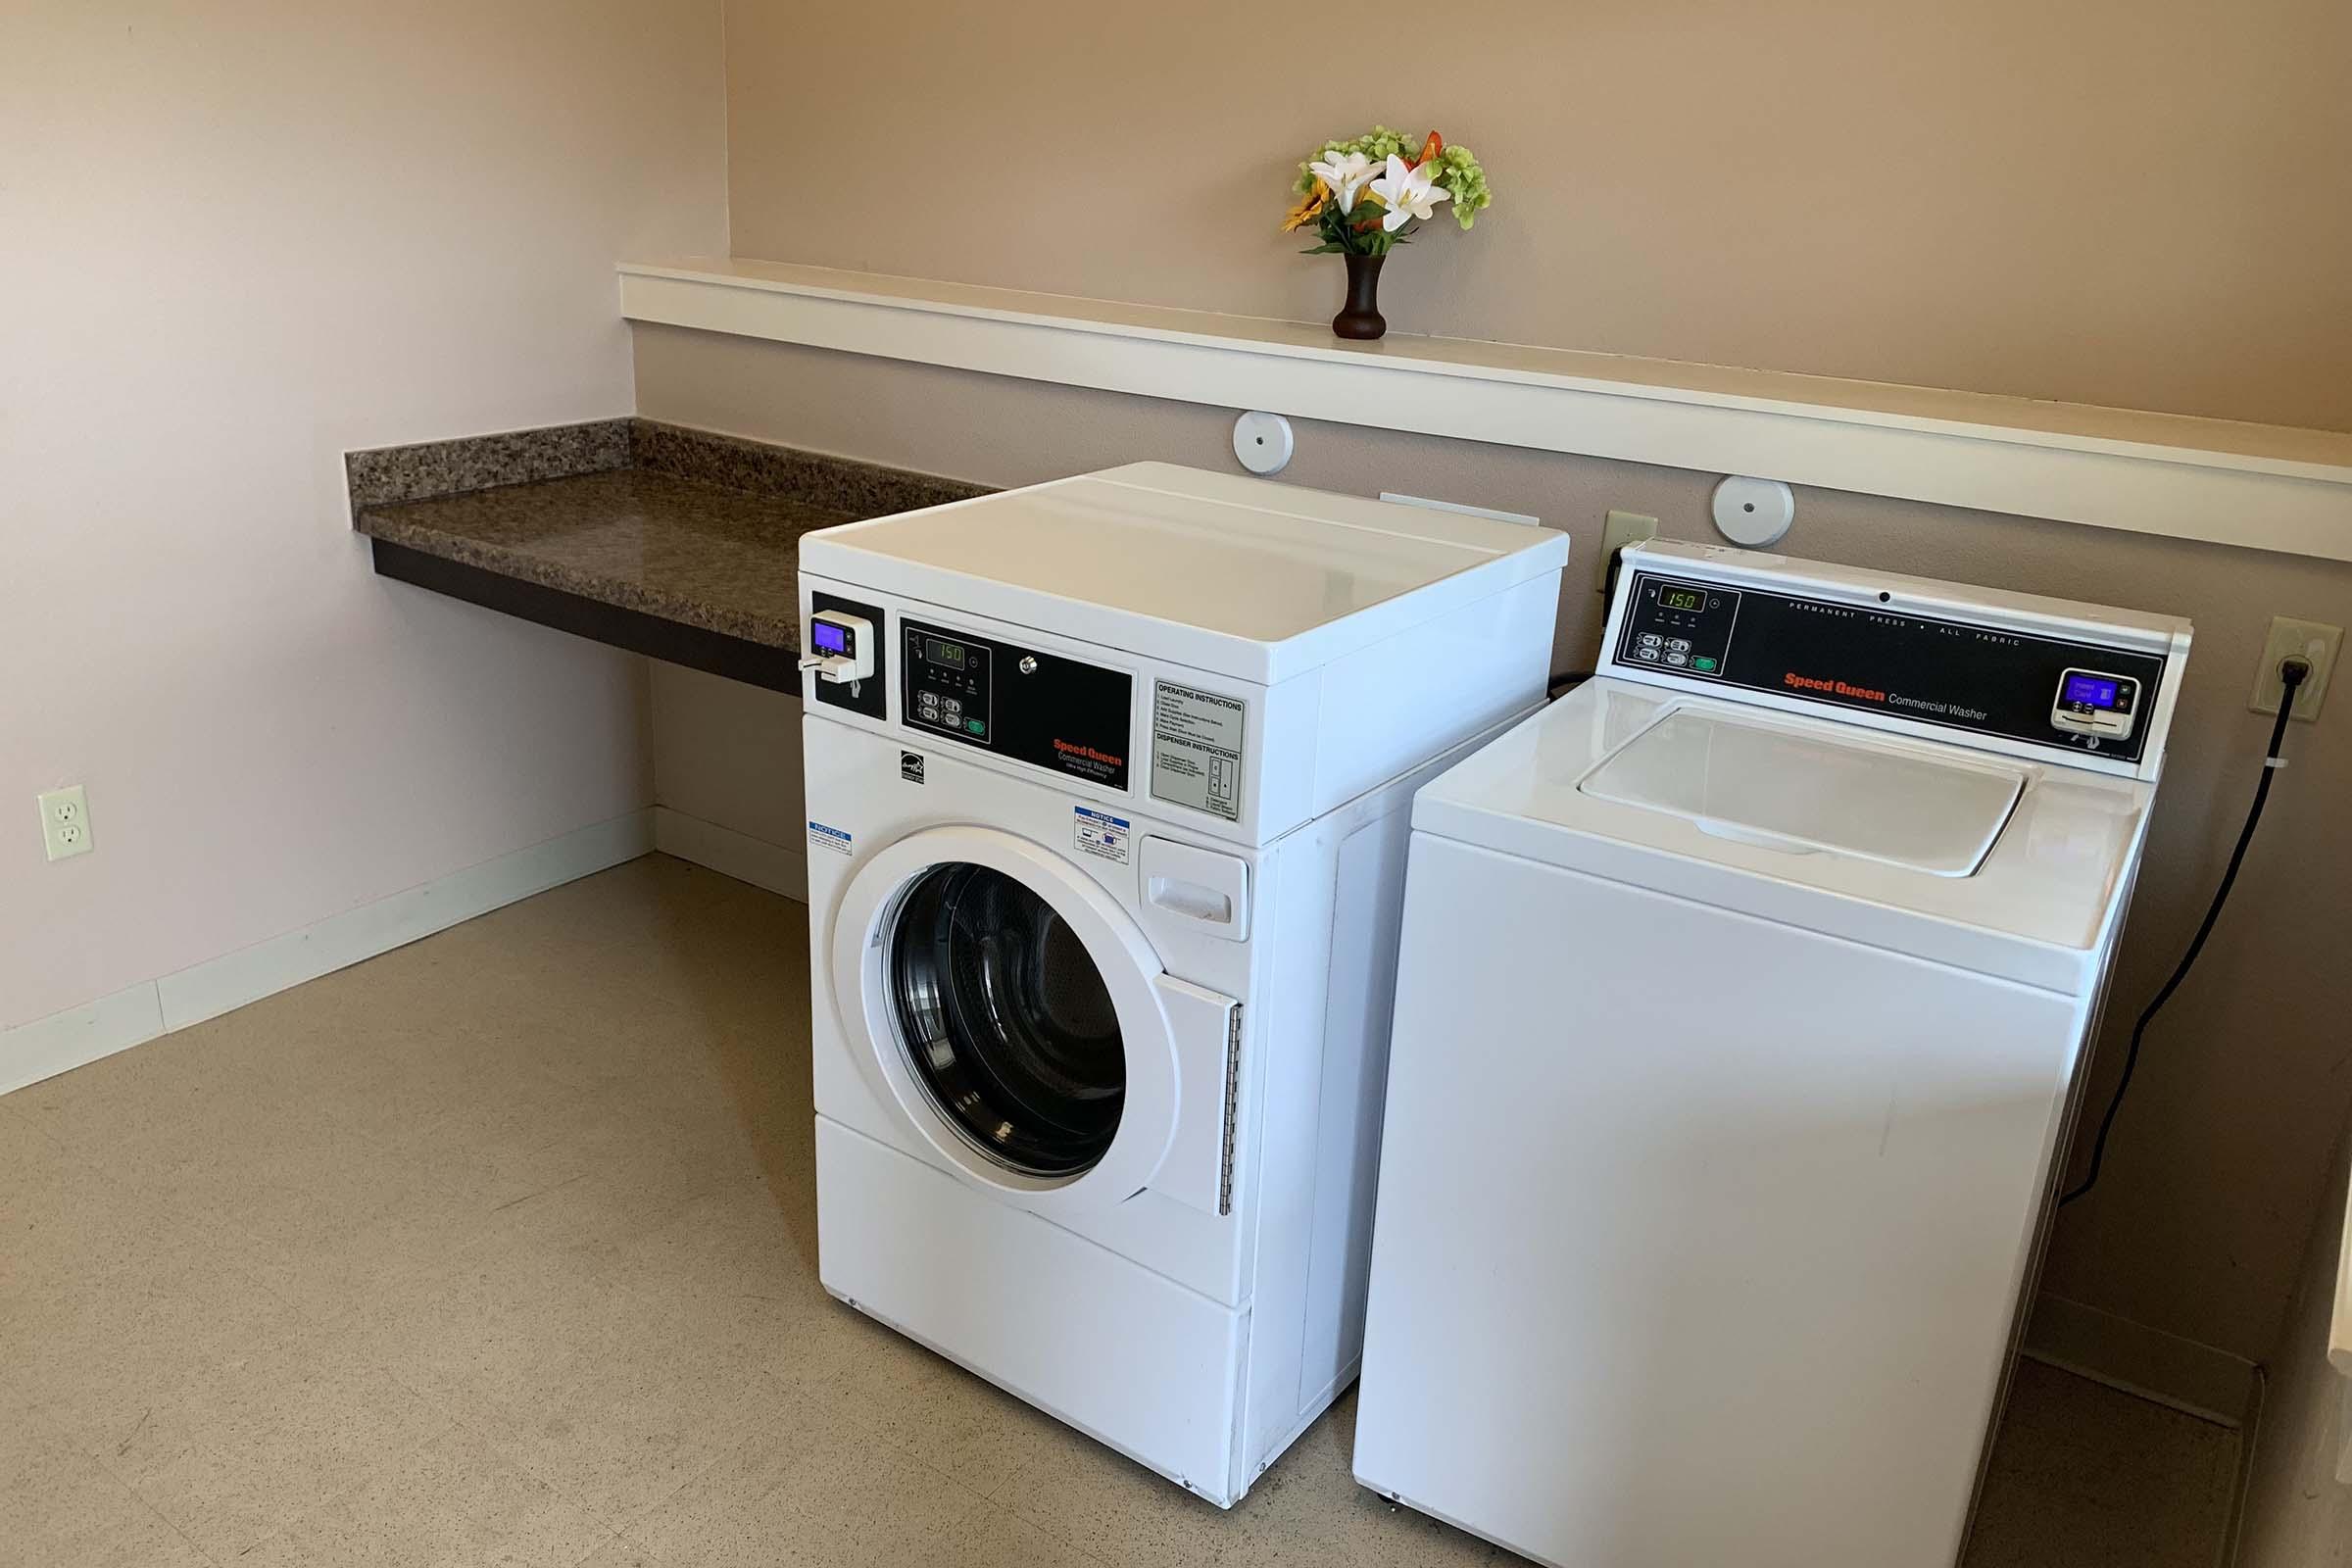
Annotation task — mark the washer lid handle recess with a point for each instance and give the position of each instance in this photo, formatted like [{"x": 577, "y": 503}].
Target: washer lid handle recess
[{"x": 1123, "y": 957}]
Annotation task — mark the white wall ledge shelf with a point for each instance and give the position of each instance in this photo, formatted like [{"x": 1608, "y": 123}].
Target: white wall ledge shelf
[{"x": 2263, "y": 487}]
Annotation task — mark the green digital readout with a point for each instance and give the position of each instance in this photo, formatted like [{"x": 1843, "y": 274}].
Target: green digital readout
[
  {"x": 1681, "y": 599},
  {"x": 939, "y": 652}
]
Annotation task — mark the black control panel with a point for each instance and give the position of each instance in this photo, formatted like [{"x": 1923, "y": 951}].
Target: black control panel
[
  {"x": 2052, "y": 692},
  {"x": 950, "y": 684},
  {"x": 1039, "y": 708},
  {"x": 1686, "y": 627}
]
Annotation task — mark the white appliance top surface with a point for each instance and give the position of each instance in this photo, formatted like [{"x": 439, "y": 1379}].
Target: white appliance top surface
[
  {"x": 1795, "y": 786},
  {"x": 2007, "y": 868},
  {"x": 1246, "y": 566}
]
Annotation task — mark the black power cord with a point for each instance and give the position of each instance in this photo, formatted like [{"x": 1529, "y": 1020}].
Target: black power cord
[{"x": 2291, "y": 674}]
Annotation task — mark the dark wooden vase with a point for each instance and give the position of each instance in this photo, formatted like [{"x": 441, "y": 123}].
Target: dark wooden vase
[{"x": 1360, "y": 316}]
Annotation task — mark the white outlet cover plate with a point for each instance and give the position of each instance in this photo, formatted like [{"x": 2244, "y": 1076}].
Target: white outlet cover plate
[
  {"x": 1753, "y": 512},
  {"x": 1263, "y": 442},
  {"x": 2297, "y": 637},
  {"x": 1619, "y": 529},
  {"x": 65, "y": 822}
]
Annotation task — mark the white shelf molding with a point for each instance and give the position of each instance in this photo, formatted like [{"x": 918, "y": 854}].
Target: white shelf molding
[{"x": 2263, "y": 487}]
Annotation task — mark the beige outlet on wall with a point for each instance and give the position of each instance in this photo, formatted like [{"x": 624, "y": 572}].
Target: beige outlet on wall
[
  {"x": 1622, "y": 528},
  {"x": 65, "y": 822},
  {"x": 2314, "y": 641}
]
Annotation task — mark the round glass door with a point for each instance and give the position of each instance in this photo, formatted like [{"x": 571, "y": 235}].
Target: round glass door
[{"x": 1006, "y": 1019}]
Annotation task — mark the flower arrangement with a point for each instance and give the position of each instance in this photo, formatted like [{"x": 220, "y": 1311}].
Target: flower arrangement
[
  {"x": 1364, "y": 197},
  {"x": 1396, "y": 191}
]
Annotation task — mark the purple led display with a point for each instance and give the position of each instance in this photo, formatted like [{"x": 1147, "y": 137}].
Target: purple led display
[
  {"x": 2090, "y": 691},
  {"x": 832, "y": 639}
]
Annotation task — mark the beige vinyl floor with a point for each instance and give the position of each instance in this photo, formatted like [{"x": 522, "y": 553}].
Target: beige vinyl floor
[{"x": 501, "y": 1250}]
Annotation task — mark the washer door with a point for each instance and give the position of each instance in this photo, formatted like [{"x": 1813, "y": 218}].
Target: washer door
[{"x": 1010, "y": 1010}]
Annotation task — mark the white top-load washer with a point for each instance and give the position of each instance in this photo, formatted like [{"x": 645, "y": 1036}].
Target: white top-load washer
[
  {"x": 1738, "y": 1022},
  {"x": 1108, "y": 791}
]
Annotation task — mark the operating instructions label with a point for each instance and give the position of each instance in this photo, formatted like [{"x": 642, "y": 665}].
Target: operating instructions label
[{"x": 1197, "y": 749}]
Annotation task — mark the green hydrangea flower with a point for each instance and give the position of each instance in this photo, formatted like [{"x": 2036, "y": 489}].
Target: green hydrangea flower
[
  {"x": 1378, "y": 144},
  {"x": 1466, "y": 182}
]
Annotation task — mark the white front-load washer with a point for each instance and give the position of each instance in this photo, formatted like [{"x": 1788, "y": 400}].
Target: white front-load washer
[
  {"x": 1108, "y": 790},
  {"x": 1737, "y": 1033}
]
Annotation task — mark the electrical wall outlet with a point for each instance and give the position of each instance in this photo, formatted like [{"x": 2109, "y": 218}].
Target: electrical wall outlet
[
  {"x": 1622, "y": 528},
  {"x": 65, "y": 822},
  {"x": 2310, "y": 640}
]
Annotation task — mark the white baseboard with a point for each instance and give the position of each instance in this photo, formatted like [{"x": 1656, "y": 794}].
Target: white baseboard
[
  {"x": 778, "y": 867},
  {"x": 2156, "y": 1365},
  {"x": 62, "y": 1040}
]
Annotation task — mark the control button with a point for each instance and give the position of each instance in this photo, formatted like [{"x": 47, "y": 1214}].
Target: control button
[
  {"x": 953, "y": 707},
  {"x": 1650, "y": 639},
  {"x": 1651, "y": 654},
  {"x": 1679, "y": 644},
  {"x": 929, "y": 703},
  {"x": 976, "y": 726},
  {"x": 1705, "y": 663},
  {"x": 1678, "y": 659}
]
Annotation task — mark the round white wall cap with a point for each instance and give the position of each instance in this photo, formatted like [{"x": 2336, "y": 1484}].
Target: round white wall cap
[
  {"x": 1263, "y": 442},
  {"x": 1753, "y": 512}
]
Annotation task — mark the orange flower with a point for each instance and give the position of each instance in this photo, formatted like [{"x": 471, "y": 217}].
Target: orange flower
[
  {"x": 1308, "y": 208},
  {"x": 1429, "y": 149}
]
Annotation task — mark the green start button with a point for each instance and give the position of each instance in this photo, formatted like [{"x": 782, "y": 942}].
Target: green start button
[{"x": 1705, "y": 664}]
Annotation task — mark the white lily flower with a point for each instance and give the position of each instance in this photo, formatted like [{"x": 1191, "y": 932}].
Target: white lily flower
[
  {"x": 1407, "y": 193},
  {"x": 1346, "y": 176}
]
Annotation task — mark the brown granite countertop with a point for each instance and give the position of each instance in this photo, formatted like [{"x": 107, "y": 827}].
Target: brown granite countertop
[{"x": 692, "y": 527}]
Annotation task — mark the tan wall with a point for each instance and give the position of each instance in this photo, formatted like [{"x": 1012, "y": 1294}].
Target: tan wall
[
  {"x": 2199, "y": 1225},
  {"x": 2140, "y": 203},
  {"x": 236, "y": 239},
  {"x": 2299, "y": 1514}
]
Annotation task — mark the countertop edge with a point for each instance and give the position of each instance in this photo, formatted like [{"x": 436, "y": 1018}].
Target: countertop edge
[{"x": 392, "y": 491}]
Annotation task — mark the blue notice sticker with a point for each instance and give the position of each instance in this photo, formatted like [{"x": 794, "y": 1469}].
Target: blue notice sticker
[
  {"x": 823, "y": 837},
  {"x": 1102, "y": 835}
]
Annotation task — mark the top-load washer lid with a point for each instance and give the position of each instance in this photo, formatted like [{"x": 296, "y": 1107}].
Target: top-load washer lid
[
  {"x": 1244, "y": 578},
  {"x": 1879, "y": 857},
  {"x": 1810, "y": 788}
]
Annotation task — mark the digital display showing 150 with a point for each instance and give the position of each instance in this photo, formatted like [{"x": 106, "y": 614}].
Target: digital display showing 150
[
  {"x": 1680, "y": 599},
  {"x": 941, "y": 652}
]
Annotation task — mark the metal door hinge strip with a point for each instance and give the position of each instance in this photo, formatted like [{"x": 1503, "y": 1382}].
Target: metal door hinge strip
[{"x": 1232, "y": 1096}]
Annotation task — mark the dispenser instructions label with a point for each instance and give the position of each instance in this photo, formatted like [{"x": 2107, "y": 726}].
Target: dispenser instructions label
[
  {"x": 1197, "y": 749},
  {"x": 1102, "y": 835}
]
